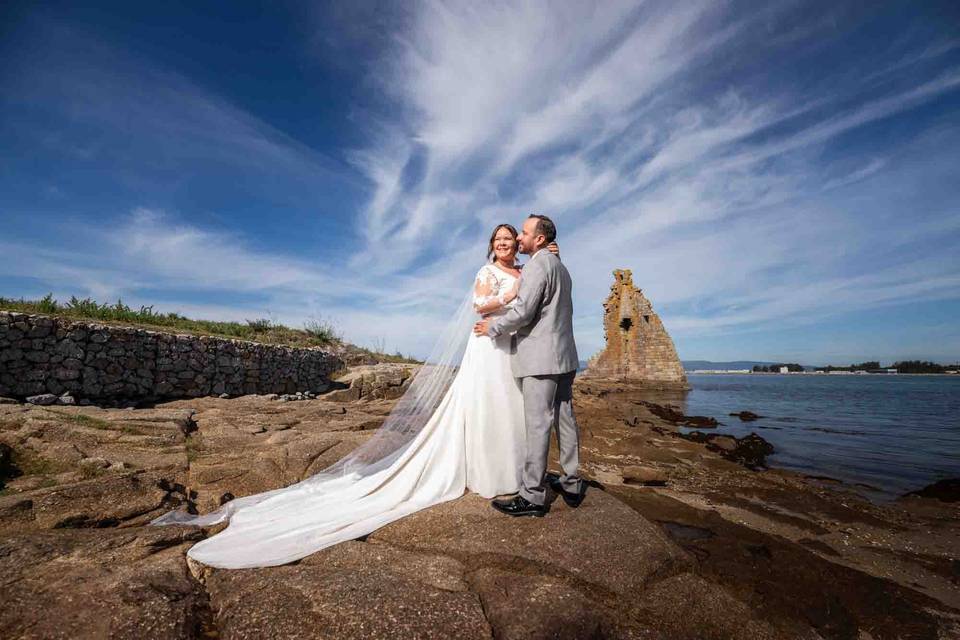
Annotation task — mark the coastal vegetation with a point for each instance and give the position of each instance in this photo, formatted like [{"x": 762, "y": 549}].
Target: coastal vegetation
[
  {"x": 316, "y": 332},
  {"x": 904, "y": 366},
  {"x": 872, "y": 365},
  {"x": 775, "y": 368},
  {"x": 921, "y": 366}
]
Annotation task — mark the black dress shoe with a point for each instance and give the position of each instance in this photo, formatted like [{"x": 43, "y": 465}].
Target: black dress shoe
[
  {"x": 519, "y": 506},
  {"x": 572, "y": 499}
]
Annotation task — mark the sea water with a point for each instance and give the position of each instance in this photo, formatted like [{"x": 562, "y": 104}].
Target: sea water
[{"x": 883, "y": 434}]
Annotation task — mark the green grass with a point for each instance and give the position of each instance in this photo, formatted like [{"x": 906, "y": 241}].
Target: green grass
[
  {"x": 31, "y": 464},
  {"x": 194, "y": 445},
  {"x": 88, "y": 421},
  {"x": 34, "y": 466},
  {"x": 322, "y": 330},
  {"x": 11, "y": 425},
  {"x": 97, "y": 423},
  {"x": 387, "y": 357},
  {"x": 131, "y": 430},
  {"x": 92, "y": 472},
  {"x": 315, "y": 333}
]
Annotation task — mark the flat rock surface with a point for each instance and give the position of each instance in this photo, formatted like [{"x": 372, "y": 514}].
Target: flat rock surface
[
  {"x": 620, "y": 555},
  {"x": 673, "y": 540},
  {"x": 352, "y": 590},
  {"x": 99, "y": 583}
]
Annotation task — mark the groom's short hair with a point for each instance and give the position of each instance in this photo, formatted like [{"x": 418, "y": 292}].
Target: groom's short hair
[{"x": 545, "y": 227}]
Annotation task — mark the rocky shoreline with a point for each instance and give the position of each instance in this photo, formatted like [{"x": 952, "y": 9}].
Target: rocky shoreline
[{"x": 680, "y": 535}]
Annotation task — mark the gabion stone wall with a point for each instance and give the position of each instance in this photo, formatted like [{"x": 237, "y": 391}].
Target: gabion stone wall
[{"x": 41, "y": 354}]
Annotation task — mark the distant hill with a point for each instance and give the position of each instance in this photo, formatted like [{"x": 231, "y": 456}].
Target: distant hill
[{"x": 692, "y": 365}]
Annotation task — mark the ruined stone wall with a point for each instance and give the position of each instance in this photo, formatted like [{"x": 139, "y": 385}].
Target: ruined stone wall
[
  {"x": 41, "y": 354},
  {"x": 386, "y": 380},
  {"x": 638, "y": 346}
]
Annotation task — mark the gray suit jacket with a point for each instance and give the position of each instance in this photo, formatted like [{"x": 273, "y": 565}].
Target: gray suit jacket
[{"x": 542, "y": 316}]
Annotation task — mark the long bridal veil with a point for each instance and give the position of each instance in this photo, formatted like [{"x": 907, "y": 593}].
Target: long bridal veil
[{"x": 407, "y": 418}]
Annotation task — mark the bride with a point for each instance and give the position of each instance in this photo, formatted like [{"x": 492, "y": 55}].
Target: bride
[{"x": 456, "y": 428}]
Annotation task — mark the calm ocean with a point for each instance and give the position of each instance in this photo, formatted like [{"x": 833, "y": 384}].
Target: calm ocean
[{"x": 893, "y": 433}]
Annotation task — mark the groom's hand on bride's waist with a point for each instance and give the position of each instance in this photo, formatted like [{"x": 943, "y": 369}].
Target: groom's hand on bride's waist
[{"x": 481, "y": 327}]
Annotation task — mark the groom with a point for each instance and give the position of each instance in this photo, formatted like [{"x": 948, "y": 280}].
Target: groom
[{"x": 545, "y": 359}]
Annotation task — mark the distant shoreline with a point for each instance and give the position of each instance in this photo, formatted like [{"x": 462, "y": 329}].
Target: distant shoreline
[{"x": 710, "y": 372}]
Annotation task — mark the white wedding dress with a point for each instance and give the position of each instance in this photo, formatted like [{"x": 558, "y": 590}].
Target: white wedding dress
[{"x": 474, "y": 440}]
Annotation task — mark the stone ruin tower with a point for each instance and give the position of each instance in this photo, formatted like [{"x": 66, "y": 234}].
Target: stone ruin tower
[{"x": 638, "y": 346}]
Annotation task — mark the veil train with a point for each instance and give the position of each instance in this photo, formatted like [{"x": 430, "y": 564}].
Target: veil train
[{"x": 401, "y": 426}]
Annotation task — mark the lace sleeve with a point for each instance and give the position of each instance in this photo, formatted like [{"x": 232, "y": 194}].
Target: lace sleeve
[
  {"x": 506, "y": 290},
  {"x": 485, "y": 288},
  {"x": 503, "y": 294}
]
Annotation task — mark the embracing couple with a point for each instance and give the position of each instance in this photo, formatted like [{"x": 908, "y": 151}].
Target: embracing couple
[{"x": 478, "y": 422}]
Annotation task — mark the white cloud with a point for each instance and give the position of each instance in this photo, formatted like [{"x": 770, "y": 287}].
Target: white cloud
[
  {"x": 635, "y": 128},
  {"x": 646, "y": 130}
]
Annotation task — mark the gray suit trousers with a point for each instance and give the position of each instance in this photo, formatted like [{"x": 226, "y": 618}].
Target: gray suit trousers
[{"x": 547, "y": 405}]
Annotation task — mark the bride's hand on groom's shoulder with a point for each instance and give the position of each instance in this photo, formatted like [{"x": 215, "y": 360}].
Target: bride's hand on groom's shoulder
[{"x": 554, "y": 248}]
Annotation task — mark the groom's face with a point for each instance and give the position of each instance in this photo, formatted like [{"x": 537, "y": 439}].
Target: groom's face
[{"x": 528, "y": 236}]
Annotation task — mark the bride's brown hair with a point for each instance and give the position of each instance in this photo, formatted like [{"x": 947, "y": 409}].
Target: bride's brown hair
[{"x": 493, "y": 236}]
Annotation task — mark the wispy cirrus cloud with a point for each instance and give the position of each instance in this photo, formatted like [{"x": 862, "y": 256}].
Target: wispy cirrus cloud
[
  {"x": 757, "y": 169},
  {"x": 646, "y": 135}
]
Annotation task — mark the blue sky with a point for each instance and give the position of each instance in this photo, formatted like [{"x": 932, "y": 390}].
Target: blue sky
[{"x": 783, "y": 180}]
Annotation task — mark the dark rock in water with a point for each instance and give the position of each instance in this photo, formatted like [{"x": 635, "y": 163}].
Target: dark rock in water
[
  {"x": 750, "y": 451},
  {"x": 824, "y": 479},
  {"x": 723, "y": 442},
  {"x": 666, "y": 412},
  {"x": 704, "y": 422},
  {"x": 946, "y": 490},
  {"x": 673, "y": 414},
  {"x": 746, "y": 416}
]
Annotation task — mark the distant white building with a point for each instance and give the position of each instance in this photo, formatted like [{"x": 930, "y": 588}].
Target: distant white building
[{"x": 784, "y": 370}]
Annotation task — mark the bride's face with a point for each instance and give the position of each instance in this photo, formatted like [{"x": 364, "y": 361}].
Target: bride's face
[{"x": 504, "y": 245}]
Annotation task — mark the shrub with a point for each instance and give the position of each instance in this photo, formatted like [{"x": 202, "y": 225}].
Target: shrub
[
  {"x": 47, "y": 304},
  {"x": 321, "y": 330},
  {"x": 260, "y": 325}
]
